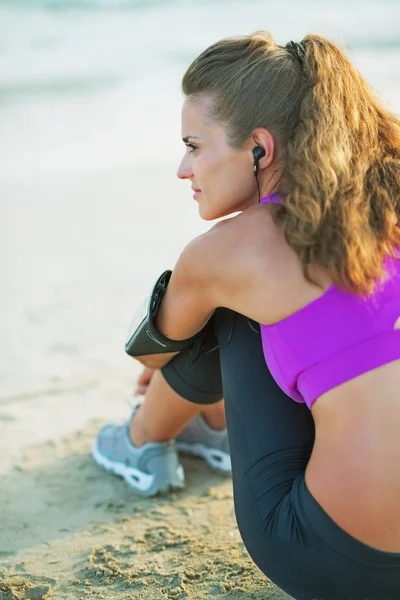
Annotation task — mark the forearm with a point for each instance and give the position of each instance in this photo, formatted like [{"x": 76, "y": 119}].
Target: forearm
[{"x": 156, "y": 361}]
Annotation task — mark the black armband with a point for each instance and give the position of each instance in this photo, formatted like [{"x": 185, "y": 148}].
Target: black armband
[{"x": 143, "y": 338}]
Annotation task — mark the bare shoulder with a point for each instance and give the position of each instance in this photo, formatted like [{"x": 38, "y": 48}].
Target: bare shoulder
[
  {"x": 251, "y": 269},
  {"x": 232, "y": 239}
]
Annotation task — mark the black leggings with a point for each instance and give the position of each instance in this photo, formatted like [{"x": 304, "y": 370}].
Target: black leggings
[{"x": 286, "y": 532}]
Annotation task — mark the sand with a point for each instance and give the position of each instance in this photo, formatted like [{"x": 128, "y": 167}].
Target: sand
[{"x": 71, "y": 531}]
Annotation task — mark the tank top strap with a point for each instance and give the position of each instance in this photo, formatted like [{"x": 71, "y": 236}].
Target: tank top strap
[{"x": 271, "y": 199}]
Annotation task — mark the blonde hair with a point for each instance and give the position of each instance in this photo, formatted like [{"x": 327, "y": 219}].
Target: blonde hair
[{"x": 340, "y": 147}]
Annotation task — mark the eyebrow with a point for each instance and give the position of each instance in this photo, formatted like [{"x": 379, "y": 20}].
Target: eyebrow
[{"x": 187, "y": 137}]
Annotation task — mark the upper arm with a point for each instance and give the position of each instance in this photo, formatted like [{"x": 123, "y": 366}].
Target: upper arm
[{"x": 193, "y": 292}]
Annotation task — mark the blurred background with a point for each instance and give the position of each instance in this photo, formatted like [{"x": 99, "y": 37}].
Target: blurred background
[{"x": 91, "y": 209}]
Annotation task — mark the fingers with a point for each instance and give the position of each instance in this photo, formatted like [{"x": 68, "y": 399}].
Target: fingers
[
  {"x": 143, "y": 381},
  {"x": 140, "y": 390},
  {"x": 145, "y": 376}
]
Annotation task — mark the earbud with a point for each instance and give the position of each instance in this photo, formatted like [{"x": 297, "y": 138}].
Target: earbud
[{"x": 258, "y": 152}]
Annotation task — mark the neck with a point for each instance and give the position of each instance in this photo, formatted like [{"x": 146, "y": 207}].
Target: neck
[
  {"x": 272, "y": 198},
  {"x": 269, "y": 180}
]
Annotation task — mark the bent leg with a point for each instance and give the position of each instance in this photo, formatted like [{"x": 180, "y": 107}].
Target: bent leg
[
  {"x": 270, "y": 436},
  {"x": 163, "y": 414},
  {"x": 288, "y": 535}
]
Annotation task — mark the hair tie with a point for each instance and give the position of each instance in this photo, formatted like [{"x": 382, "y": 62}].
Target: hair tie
[{"x": 297, "y": 50}]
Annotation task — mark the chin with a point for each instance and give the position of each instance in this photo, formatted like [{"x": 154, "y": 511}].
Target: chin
[
  {"x": 208, "y": 214},
  {"x": 208, "y": 217}
]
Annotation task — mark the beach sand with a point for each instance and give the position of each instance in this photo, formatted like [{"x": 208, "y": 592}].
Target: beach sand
[{"x": 72, "y": 531}]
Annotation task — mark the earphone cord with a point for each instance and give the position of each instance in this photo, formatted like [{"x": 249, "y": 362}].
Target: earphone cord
[{"x": 258, "y": 187}]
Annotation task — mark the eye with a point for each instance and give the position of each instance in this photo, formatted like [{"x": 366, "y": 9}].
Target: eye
[{"x": 192, "y": 146}]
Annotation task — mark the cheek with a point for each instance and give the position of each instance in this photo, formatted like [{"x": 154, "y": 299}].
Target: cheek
[
  {"x": 225, "y": 180},
  {"x": 235, "y": 177},
  {"x": 216, "y": 170},
  {"x": 205, "y": 168}
]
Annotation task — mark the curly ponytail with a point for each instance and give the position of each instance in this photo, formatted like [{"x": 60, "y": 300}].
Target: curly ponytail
[{"x": 342, "y": 173}]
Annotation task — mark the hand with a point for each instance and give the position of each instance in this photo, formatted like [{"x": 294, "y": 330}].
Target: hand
[{"x": 143, "y": 381}]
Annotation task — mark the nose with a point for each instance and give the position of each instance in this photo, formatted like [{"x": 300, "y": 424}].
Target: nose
[{"x": 185, "y": 170}]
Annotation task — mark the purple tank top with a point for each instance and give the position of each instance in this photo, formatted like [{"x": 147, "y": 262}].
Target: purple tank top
[{"x": 334, "y": 338}]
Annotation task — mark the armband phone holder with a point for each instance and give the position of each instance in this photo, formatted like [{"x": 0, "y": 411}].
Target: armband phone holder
[{"x": 143, "y": 338}]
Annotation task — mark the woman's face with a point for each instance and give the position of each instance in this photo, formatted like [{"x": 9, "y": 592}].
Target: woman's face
[{"x": 222, "y": 177}]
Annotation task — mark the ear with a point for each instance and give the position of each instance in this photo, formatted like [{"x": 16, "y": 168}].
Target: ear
[{"x": 262, "y": 137}]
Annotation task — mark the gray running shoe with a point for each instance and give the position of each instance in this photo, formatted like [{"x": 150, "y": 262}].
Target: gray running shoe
[
  {"x": 148, "y": 469},
  {"x": 199, "y": 439}
]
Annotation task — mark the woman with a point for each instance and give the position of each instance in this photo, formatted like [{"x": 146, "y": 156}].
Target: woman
[{"x": 311, "y": 394}]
